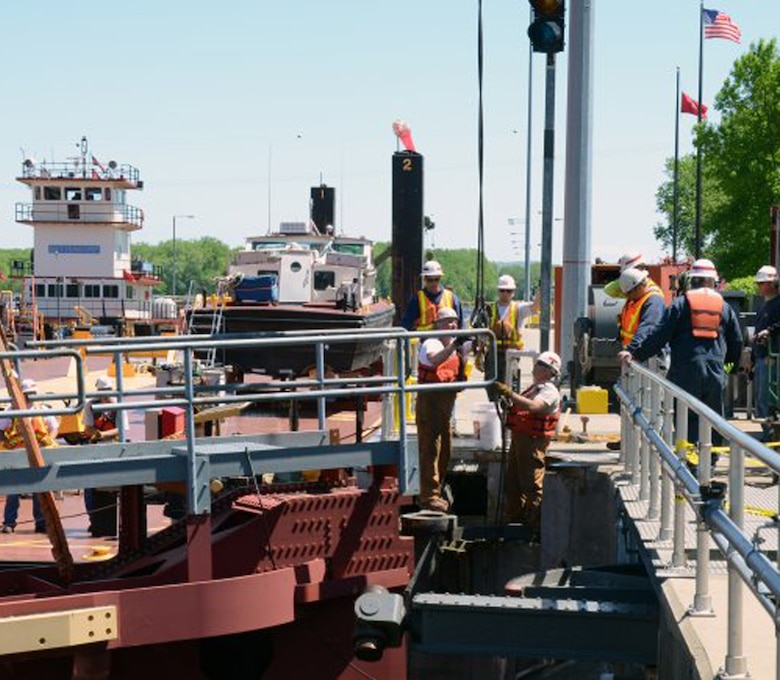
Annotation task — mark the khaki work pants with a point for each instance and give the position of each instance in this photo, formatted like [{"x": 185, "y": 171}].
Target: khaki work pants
[
  {"x": 524, "y": 480},
  {"x": 433, "y": 414}
]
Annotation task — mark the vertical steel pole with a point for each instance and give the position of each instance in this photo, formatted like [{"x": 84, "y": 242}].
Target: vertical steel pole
[
  {"x": 527, "y": 278},
  {"x": 681, "y": 437},
  {"x": 736, "y": 661},
  {"x": 702, "y": 600},
  {"x": 576, "y": 273}
]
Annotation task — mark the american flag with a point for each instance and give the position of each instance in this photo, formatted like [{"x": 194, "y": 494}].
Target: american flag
[{"x": 719, "y": 25}]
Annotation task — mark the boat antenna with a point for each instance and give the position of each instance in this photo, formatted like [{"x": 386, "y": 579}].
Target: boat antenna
[{"x": 479, "y": 315}]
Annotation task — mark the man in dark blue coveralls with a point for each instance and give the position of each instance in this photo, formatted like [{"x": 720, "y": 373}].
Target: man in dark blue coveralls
[{"x": 703, "y": 333}]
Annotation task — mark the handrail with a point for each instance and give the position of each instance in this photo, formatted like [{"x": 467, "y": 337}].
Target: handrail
[
  {"x": 189, "y": 395},
  {"x": 641, "y": 427}
]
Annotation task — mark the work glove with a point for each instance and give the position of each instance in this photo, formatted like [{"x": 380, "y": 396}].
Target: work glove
[{"x": 503, "y": 389}]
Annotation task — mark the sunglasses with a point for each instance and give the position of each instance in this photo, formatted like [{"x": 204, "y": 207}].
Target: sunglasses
[
  {"x": 433, "y": 279},
  {"x": 505, "y": 290}
]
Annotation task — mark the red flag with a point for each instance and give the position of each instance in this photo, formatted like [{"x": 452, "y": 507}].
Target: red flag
[
  {"x": 690, "y": 105},
  {"x": 127, "y": 276},
  {"x": 95, "y": 161},
  {"x": 95, "y": 175},
  {"x": 404, "y": 133}
]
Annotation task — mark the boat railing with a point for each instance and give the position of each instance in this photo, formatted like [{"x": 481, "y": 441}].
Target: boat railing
[
  {"x": 81, "y": 211},
  {"x": 196, "y": 459},
  {"x": 80, "y": 169},
  {"x": 655, "y": 435}
]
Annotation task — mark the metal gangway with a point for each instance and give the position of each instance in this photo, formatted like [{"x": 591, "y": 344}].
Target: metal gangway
[{"x": 667, "y": 492}]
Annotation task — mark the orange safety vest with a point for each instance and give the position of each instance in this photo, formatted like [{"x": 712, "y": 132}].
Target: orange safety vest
[
  {"x": 630, "y": 315},
  {"x": 13, "y": 434},
  {"x": 429, "y": 311},
  {"x": 533, "y": 424},
  {"x": 505, "y": 330},
  {"x": 706, "y": 312},
  {"x": 446, "y": 371}
]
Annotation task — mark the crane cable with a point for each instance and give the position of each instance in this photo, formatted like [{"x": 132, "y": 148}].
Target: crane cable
[{"x": 479, "y": 314}]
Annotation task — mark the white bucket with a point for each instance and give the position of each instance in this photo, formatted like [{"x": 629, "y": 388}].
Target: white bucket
[{"x": 487, "y": 426}]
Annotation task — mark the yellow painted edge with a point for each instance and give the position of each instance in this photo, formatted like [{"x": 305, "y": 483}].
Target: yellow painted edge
[{"x": 55, "y": 630}]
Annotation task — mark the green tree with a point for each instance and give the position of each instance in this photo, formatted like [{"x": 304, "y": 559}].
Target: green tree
[
  {"x": 743, "y": 152},
  {"x": 686, "y": 222}
]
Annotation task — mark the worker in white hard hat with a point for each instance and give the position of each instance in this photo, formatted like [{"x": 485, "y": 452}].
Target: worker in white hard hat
[
  {"x": 767, "y": 325},
  {"x": 45, "y": 430},
  {"x": 507, "y": 319},
  {"x": 532, "y": 418},
  {"x": 643, "y": 310},
  {"x": 630, "y": 260},
  {"x": 704, "y": 335},
  {"x": 441, "y": 360},
  {"x": 102, "y": 426},
  {"x": 423, "y": 308}
]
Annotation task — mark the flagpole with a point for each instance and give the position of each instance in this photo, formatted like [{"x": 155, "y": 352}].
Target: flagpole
[
  {"x": 697, "y": 230},
  {"x": 676, "y": 179}
]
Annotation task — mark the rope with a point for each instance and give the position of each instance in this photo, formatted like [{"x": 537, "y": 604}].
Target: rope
[{"x": 479, "y": 316}]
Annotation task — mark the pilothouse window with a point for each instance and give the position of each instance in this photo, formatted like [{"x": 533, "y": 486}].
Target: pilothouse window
[
  {"x": 324, "y": 280},
  {"x": 52, "y": 194},
  {"x": 93, "y": 193},
  {"x": 72, "y": 193}
]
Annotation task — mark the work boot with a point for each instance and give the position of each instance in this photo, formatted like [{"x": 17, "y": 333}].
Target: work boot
[{"x": 8, "y": 528}]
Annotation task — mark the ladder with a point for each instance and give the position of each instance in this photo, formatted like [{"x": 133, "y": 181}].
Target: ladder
[{"x": 223, "y": 288}]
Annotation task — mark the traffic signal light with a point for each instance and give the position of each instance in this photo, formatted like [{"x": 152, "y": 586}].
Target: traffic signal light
[{"x": 546, "y": 29}]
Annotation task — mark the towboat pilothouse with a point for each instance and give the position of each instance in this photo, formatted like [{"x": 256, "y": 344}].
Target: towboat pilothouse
[{"x": 302, "y": 278}]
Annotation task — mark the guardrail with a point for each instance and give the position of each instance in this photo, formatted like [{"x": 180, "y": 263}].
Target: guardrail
[
  {"x": 654, "y": 430},
  {"x": 190, "y": 395}
]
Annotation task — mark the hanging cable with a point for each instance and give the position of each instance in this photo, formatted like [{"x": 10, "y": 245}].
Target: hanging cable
[{"x": 479, "y": 315}]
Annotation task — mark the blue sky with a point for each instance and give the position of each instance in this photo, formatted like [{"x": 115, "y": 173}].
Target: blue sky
[{"x": 201, "y": 95}]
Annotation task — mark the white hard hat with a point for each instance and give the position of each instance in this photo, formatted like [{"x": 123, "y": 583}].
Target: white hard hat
[
  {"x": 506, "y": 282},
  {"x": 29, "y": 386},
  {"x": 103, "y": 383},
  {"x": 432, "y": 268},
  {"x": 631, "y": 278},
  {"x": 445, "y": 314},
  {"x": 703, "y": 269},
  {"x": 767, "y": 273},
  {"x": 551, "y": 360},
  {"x": 632, "y": 259}
]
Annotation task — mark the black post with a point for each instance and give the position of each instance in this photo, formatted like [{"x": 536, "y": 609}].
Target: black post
[
  {"x": 547, "y": 204},
  {"x": 407, "y": 245}
]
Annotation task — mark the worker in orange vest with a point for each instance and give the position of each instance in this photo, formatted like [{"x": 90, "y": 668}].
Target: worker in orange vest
[
  {"x": 45, "y": 429},
  {"x": 441, "y": 360},
  {"x": 532, "y": 418},
  {"x": 423, "y": 308},
  {"x": 704, "y": 335},
  {"x": 643, "y": 310},
  {"x": 507, "y": 318}
]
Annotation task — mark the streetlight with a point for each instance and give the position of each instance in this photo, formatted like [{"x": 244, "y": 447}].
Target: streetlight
[{"x": 173, "y": 277}]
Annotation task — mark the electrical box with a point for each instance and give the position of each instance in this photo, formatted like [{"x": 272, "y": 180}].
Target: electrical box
[{"x": 592, "y": 399}]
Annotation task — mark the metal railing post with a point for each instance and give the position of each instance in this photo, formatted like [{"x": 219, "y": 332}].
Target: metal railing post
[
  {"x": 388, "y": 370},
  {"x": 625, "y": 421},
  {"x": 665, "y": 533},
  {"x": 736, "y": 661},
  {"x": 321, "y": 404},
  {"x": 702, "y": 600},
  {"x": 643, "y": 468},
  {"x": 654, "y": 469},
  {"x": 633, "y": 458},
  {"x": 681, "y": 438}
]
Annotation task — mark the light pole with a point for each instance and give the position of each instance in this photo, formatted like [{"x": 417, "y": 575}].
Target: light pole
[{"x": 173, "y": 269}]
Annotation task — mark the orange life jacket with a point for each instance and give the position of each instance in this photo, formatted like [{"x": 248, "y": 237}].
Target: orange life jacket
[
  {"x": 105, "y": 421},
  {"x": 429, "y": 311},
  {"x": 706, "y": 312},
  {"x": 505, "y": 330},
  {"x": 446, "y": 371},
  {"x": 631, "y": 314},
  {"x": 13, "y": 433},
  {"x": 533, "y": 424}
]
